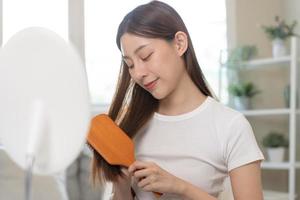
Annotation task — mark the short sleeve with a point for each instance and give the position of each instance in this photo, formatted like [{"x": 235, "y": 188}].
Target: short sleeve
[{"x": 240, "y": 146}]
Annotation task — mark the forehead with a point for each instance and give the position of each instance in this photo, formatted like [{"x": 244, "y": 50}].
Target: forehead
[{"x": 131, "y": 42}]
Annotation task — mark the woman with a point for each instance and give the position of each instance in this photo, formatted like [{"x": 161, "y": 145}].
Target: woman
[{"x": 186, "y": 142}]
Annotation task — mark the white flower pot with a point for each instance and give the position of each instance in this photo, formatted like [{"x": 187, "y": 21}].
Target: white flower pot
[
  {"x": 278, "y": 48},
  {"x": 276, "y": 154},
  {"x": 242, "y": 103}
]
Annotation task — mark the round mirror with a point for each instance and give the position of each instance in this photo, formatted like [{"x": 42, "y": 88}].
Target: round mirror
[{"x": 45, "y": 105}]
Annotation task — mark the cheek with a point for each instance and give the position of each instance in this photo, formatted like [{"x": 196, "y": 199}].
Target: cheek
[
  {"x": 172, "y": 69},
  {"x": 167, "y": 84},
  {"x": 164, "y": 64}
]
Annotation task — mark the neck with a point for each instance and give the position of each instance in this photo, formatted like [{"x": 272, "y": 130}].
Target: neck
[{"x": 185, "y": 98}]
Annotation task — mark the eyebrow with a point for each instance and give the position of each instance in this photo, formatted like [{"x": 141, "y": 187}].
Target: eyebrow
[{"x": 135, "y": 51}]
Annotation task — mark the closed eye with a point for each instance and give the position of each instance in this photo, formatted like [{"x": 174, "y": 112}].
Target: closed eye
[{"x": 147, "y": 57}]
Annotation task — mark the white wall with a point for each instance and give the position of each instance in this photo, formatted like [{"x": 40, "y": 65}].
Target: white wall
[
  {"x": 76, "y": 25},
  {"x": 245, "y": 19},
  {"x": 291, "y": 11},
  {"x": 1, "y": 11}
]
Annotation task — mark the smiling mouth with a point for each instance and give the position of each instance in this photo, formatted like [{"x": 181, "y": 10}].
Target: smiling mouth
[{"x": 150, "y": 85}]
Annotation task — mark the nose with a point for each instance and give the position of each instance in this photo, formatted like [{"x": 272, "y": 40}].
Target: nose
[{"x": 140, "y": 71}]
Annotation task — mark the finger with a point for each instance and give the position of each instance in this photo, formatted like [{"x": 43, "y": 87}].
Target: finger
[
  {"x": 144, "y": 181},
  {"x": 147, "y": 183},
  {"x": 150, "y": 188},
  {"x": 142, "y": 173},
  {"x": 137, "y": 165}
]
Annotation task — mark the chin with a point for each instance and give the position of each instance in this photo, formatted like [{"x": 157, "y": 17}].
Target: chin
[{"x": 159, "y": 95}]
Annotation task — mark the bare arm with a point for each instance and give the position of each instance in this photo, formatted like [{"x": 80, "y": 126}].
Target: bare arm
[
  {"x": 246, "y": 182},
  {"x": 150, "y": 177}
]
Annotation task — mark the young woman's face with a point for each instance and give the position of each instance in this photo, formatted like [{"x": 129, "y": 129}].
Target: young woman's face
[{"x": 155, "y": 64}]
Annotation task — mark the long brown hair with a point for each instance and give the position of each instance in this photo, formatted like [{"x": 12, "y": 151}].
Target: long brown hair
[{"x": 132, "y": 106}]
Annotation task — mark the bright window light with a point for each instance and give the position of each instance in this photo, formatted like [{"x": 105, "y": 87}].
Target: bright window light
[{"x": 18, "y": 15}]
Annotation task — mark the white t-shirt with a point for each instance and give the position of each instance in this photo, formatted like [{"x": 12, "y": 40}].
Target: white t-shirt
[{"x": 200, "y": 146}]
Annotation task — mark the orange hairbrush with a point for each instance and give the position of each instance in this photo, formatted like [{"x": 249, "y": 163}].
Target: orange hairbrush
[{"x": 111, "y": 142}]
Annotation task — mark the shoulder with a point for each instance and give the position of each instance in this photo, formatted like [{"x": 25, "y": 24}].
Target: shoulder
[
  {"x": 223, "y": 113},
  {"x": 228, "y": 123}
]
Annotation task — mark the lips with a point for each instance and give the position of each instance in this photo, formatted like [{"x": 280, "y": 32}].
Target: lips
[{"x": 151, "y": 84}]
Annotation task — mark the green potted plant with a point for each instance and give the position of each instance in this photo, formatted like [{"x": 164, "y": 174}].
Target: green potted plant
[
  {"x": 233, "y": 59},
  {"x": 243, "y": 92},
  {"x": 240, "y": 54},
  {"x": 275, "y": 144},
  {"x": 278, "y": 33}
]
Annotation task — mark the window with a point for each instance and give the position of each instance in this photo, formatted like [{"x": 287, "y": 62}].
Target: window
[
  {"x": 205, "y": 20},
  {"x": 18, "y": 15}
]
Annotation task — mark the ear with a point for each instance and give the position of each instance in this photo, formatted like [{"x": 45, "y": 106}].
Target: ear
[{"x": 181, "y": 42}]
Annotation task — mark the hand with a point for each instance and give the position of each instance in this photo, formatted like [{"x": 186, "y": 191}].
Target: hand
[{"x": 150, "y": 177}]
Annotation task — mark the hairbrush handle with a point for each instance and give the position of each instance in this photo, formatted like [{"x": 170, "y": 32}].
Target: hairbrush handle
[{"x": 157, "y": 194}]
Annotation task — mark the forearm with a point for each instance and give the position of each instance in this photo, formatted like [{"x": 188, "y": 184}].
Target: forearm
[{"x": 191, "y": 192}]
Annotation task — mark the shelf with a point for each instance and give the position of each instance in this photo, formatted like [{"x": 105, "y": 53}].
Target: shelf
[
  {"x": 275, "y": 195},
  {"x": 290, "y": 63},
  {"x": 259, "y": 63},
  {"x": 282, "y": 165},
  {"x": 262, "y": 112}
]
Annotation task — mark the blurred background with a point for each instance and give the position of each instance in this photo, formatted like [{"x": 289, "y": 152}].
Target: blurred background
[{"x": 248, "y": 51}]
